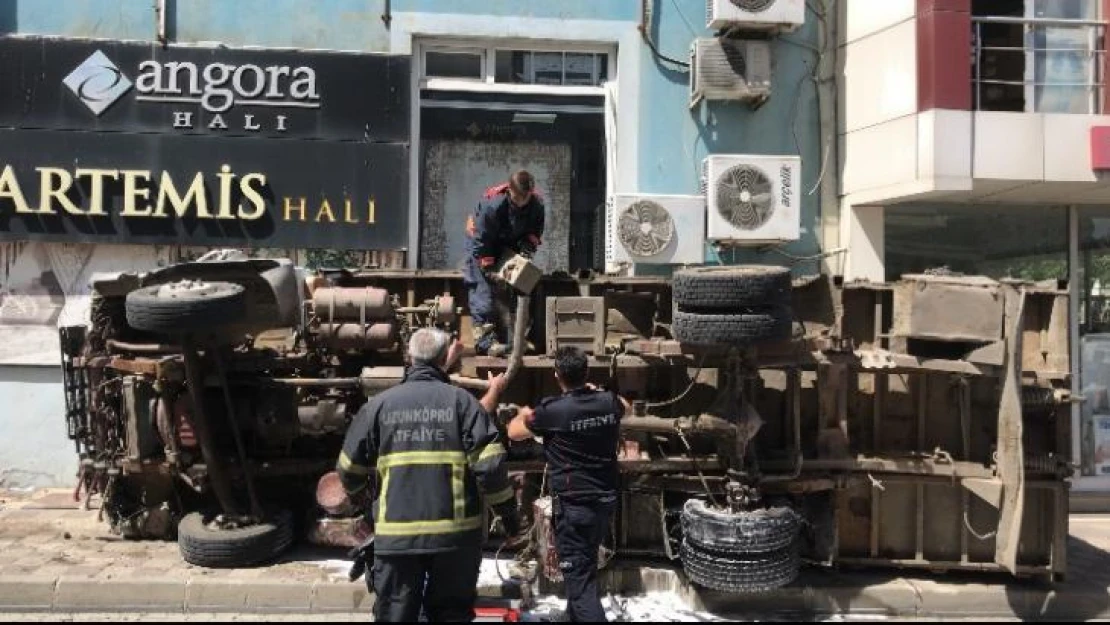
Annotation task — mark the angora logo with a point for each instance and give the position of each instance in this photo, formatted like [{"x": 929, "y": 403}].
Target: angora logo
[{"x": 97, "y": 82}]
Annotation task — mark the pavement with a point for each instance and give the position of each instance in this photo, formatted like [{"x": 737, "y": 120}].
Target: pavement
[{"x": 57, "y": 558}]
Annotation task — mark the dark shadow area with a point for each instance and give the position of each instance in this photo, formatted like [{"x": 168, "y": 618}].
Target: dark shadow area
[
  {"x": 8, "y": 20},
  {"x": 171, "y": 21},
  {"x": 1085, "y": 595}
]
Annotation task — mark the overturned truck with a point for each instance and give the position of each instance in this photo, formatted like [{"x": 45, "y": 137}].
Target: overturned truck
[{"x": 920, "y": 424}]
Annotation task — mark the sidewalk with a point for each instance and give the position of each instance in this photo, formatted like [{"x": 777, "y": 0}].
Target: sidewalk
[{"x": 61, "y": 559}]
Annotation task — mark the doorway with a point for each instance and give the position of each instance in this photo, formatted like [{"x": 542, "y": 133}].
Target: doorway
[{"x": 489, "y": 109}]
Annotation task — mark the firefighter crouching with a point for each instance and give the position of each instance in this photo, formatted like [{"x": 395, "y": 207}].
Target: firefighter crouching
[
  {"x": 433, "y": 447},
  {"x": 509, "y": 219}
]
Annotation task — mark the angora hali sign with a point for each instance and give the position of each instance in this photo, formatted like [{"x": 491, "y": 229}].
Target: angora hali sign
[{"x": 132, "y": 143}]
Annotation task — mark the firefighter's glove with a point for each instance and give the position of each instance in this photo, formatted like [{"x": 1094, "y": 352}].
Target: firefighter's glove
[
  {"x": 510, "y": 517},
  {"x": 363, "y": 557},
  {"x": 488, "y": 265}
]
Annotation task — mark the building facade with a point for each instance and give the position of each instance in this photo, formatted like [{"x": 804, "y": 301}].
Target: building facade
[
  {"x": 974, "y": 137},
  {"x": 142, "y": 133}
]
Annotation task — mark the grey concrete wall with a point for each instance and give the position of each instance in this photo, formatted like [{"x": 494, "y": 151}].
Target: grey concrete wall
[{"x": 34, "y": 450}]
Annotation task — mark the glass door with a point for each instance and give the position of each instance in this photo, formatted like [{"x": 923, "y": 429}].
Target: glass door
[{"x": 1094, "y": 341}]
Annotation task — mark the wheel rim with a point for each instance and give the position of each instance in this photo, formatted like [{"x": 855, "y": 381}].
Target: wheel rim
[{"x": 187, "y": 287}]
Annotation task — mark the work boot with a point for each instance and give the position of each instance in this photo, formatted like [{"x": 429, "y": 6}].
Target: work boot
[
  {"x": 485, "y": 339},
  {"x": 497, "y": 349}
]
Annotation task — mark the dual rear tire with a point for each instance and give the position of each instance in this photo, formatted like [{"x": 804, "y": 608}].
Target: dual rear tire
[
  {"x": 734, "y": 306},
  {"x": 743, "y": 552}
]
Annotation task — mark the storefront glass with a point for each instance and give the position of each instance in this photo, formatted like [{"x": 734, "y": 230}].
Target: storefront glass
[
  {"x": 1065, "y": 75},
  {"x": 1094, "y": 332},
  {"x": 1026, "y": 242}
]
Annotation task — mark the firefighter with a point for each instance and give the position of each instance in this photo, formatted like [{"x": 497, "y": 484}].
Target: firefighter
[
  {"x": 433, "y": 447},
  {"x": 581, "y": 431},
  {"x": 509, "y": 219}
]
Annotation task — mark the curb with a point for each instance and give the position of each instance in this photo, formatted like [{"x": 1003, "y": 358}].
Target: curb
[
  {"x": 76, "y": 594},
  {"x": 900, "y": 597}
]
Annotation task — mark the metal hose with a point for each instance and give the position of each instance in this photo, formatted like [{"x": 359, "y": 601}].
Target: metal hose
[{"x": 520, "y": 341}]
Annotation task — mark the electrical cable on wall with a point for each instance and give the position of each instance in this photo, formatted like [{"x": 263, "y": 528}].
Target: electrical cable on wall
[{"x": 645, "y": 33}]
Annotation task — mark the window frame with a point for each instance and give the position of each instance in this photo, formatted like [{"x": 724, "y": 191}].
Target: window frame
[{"x": 489, "y": 51}]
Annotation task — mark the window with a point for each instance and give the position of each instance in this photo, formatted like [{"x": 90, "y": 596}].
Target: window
[
  {"x": 443, "y": 63},
  {"x": 1038, "y": 55},
  {"x": 992, "y": 241},
  {"x": 1094, "y": 342},
  {"x": 582, "y": 67},
  {"x": 551, "y": 68}
]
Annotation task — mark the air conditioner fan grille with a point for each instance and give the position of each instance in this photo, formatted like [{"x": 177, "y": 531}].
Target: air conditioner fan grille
[
  {"x": 745, "y": 197},
  {"x": 752, "y": 6},
  {"x": 645, "y": 228}
]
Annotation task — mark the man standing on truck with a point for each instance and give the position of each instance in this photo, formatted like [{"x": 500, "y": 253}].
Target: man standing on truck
[
  {"x": 434, "y": 446},
  {"x": 509, "y": 219},
  {"x": 581, "y": 431}
]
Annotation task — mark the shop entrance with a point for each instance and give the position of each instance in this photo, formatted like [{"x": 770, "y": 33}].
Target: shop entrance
[
  {"x": 467, "y": 147},
  {"x": 487, "y": 112}
]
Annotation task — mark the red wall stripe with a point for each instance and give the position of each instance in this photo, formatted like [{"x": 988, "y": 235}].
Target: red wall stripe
[{"x": 944, "y": 54}]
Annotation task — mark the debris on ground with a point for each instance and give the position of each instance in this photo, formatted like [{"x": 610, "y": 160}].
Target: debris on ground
[{"x": 652, "y": 607}]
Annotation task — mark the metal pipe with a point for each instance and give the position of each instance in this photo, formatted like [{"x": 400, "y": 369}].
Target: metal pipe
[
  {"x": 221, "y": 371},
  {"x": 212, "y": 460},
  {"x": 1035, "y": 21},
  {"x": 520, "y": 328},
  {"x": 653, "y": 425},
  {"x": 142, "y": 348},
  {"x": 160, "y": 20},
  {"x": 471, "y": 383},
  {"x": 319, "y": 382}
]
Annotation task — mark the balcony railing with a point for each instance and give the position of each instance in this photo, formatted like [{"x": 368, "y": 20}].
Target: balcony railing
[{"x": 1038, "y": 65}]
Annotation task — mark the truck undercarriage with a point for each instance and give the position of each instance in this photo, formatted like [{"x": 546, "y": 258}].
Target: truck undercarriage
[{"x": 918, "y": 424}]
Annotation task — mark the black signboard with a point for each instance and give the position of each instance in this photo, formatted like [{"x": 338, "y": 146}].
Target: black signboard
[
  {"x": 135, "y": 143},
  {"x": 128, "y": 188},
  {"x": 132, "y": 87}
]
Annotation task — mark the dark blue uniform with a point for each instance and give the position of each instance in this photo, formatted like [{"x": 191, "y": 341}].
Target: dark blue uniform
[
  {"x": 495, "y": 228},
  {"x": 432, "y": 449},
  {"x": 581, "y": 432}
]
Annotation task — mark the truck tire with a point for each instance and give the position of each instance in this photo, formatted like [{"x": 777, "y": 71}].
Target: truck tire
[
  {"x": 773, "y": 323},
  {"x": 217, "y": 548},
  {"x": 186, "y": 306},
  {"x": 737, "y": 573},
  {"x": 757, "y": 531},
  {"x": 729, "y": 288}
]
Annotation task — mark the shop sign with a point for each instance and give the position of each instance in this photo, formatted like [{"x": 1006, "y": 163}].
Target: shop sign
[
  {"x": 162, "y": 189},
  {"x": 66, "y": 84},
  {"x": 134, "y": 143}
]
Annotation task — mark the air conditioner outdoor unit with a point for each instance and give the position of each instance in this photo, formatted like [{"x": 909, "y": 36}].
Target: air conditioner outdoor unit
[
  {"x": 729, "y": 69},
  {"x": 655, "y": 230},
  {"x": 752, "y": 200},
  {"x": 775, "y": 15}
]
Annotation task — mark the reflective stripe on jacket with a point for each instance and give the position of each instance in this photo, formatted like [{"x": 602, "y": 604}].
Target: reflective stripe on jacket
[{"x": 433, "y": 449}]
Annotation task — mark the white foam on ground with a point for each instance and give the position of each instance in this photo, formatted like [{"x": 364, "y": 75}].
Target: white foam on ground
[
  {"x": 652, "y": 607},
  {"x": 336, "y": 569}
]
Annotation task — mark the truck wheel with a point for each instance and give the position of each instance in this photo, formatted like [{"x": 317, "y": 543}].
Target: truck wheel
[
  {"x": 740, "y": 574},
  {"x": 729, "y": 288},
  {"x": 757, "y": 531},
  {"x": 206, "y": 545},
  {"x": 186, "y": 306},
  {"x": 773, "y": 323}
]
